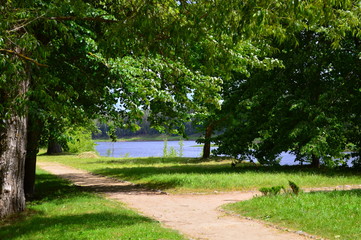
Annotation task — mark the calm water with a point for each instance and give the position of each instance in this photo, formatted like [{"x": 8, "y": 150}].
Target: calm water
[
  {"x": 146, "y": 149},
  {"x": 155, "y": 149}
]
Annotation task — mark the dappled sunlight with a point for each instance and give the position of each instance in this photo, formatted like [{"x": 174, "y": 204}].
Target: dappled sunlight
[
  {"x": 62, "y": 210},
  {"x": 217, "y": 174},
  {"x": 157, "y": 160}
]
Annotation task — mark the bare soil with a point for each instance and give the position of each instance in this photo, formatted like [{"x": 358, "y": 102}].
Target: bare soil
[{"x": 197, "y": 216}]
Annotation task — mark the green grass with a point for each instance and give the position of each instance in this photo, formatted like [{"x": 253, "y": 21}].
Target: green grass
[
  {"x": 63, "y": 211},
  {"x": 332, "y": 215},
  {"x": 192, "y": 175}
]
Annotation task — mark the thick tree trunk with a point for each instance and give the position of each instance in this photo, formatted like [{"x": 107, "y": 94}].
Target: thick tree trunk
[
  {"x": 32, "y": 149},
  {"x": 207, "y": 143},
  {"x": 315, "y": 161},
  {"x": 208, "y": 135},
  {"x": 13, "y": 130},
  {"x": 54, "y": 147},
  {"x": 12, "y": 162}
]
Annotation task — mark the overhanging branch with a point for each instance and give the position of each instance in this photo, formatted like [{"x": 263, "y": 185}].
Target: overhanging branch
[
  {"x": 70, "y": 18},
  {"x": 23, "y": 57}
]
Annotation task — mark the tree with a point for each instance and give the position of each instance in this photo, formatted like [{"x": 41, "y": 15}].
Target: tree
[
  {"x": 84, "y": 60},
  {"x": 251, "y": 99},
  {"x": 305, "y": 107}
]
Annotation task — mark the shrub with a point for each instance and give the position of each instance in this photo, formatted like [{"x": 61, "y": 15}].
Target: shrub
[
  {"x": 80, "y": 141},
  {"x": 295, "y": 188},
  {"x": 267, "y": 191},
  {"x": 271, "y": 190}
]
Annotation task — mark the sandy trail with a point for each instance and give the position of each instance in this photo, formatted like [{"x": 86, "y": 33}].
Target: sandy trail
[{"x": 196, "y": 216}]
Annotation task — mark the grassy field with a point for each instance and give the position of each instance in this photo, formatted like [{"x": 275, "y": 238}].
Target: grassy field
[
  {"x": 63, "y": 211},
  {"x": 192, "y": 175},
  {"x": 332, "y": 215}
]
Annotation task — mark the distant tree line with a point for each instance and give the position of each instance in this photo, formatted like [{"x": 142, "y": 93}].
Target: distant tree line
[{"x": 145, "y": 129}]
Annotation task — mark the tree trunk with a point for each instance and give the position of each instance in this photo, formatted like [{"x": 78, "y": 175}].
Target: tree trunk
[
  {"x": 12, "y": 163},
  {"x": 207, "y": 143},
  {"x": 13, "y": 130},
  {"x": 315, "y": 161},
  {"x": 54, "y": 147},
  {"x": 32, "y": 149}
]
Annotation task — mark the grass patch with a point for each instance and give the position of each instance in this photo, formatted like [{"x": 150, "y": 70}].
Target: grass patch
[
  {"x": 64, "y": 211},
  {"x": 194, "y": 175},
  {"x": 332, "y": 215}
]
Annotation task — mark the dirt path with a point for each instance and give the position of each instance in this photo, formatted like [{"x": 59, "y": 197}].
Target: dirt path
[{"x": 196, "y": 216}]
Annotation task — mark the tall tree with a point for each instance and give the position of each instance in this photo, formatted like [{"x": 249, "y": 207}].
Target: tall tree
[
  {"x": 252, "y": 98},
  {"x": 87, "y": 59},
  {"x": 304, "y": 107}
]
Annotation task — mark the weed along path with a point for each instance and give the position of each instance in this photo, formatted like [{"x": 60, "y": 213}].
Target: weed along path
[{"x": 196, "y": 216}]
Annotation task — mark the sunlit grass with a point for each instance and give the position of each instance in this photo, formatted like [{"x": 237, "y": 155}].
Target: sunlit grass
[
  {"x": 63, "y": 211},
  {"x": 332, "y": 215},
  {"x": 193, "y": 175}
]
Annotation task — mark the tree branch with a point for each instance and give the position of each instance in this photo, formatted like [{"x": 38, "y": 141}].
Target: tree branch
[
  {"x": 102, "y": 60},
  {"x": 23, "y": 57},
  {"x": 27, "y": 23},
  {"x": 72, "y": 18}
]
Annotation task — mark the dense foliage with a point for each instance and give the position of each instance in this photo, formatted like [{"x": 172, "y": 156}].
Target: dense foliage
[
  {"x": 145, "y": 130},
  {"x": 64, "y": 63},
  {"x": 308, "y": 107}
]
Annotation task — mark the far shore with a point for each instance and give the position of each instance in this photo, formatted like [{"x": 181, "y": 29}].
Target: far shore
[{"x": 151, "y": 138}]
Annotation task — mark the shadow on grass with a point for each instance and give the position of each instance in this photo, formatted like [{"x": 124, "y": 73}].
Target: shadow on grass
[
  {"x": 153, "y": 160},
  {"x": 58, "y": 224},
  {"x": 338, "y": 193},
  {"x": 138, "y": 173},
  {"x": 59, "y": 194},
  {"x": 48, "y": 188}
]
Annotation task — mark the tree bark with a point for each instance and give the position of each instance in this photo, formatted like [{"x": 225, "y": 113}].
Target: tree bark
[
  {"x": 12, "y": 162},
  {"x": 13, "y": 130},
  {"x": 315, "y": 161},
  {"x": 32, "y": 148},
  {"x": 209, "y": 131},
  {"x": 54, "y": 147},
  {"x": 207, "y": 143},
  {"x": 12, "y": 153}
]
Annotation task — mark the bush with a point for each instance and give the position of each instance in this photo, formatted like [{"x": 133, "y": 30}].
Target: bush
[
  {"x": 271, "y": 190},
  {"x": 295, "y": 188},
  {"x": 80, "y": 141}
]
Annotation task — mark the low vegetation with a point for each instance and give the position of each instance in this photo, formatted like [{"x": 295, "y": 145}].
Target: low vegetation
[
  {"x": 194, "y": 175},
  {"x": 63, "y": 211},
  {"x": 331, "y": 215}
]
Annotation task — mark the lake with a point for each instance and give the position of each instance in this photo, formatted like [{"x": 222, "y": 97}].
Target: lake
[
  {"x": 146, "y": 148},
  {"x": 155, "y": 149}
]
